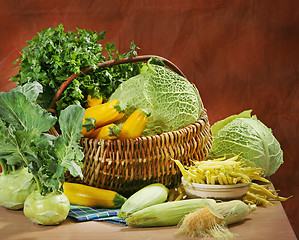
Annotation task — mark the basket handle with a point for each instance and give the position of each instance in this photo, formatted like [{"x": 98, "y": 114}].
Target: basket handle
[{"x": 109, "y": 63}]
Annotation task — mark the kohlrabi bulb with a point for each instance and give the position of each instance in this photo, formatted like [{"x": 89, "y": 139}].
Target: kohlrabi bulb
[
  {"x": 50, "y": 209},
  {"x": 15, "y": 187}
]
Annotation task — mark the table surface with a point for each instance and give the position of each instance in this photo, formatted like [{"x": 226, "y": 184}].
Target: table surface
[{"x": 265, "y": 223}]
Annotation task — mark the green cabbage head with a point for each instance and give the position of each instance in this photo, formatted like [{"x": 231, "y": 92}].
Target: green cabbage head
[
  {"x": 172, "y": 101},
  {"x": 15, "y": 187},
  {"x": 246, "y": 135}
]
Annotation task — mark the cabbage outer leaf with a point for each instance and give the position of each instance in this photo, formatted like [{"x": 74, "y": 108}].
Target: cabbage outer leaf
[{"x": 250, "y": 138}]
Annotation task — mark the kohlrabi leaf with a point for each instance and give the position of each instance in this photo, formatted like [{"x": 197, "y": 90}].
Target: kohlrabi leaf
[
  {"x": 30, "y": 90},
  {"x": 18, "y": 111},
  {"x": 13, "y": 159},
  {"x": 250, "y": 138},
  {"x": 24, "y": 141},
  {"x": 15, "y": 144},
  {"x": 3, "y": 130},
  {"x": 66, "y": 146},
  {"x": 45, "y": 140},
  {"x": 5, "y": 148},
  {"x": 22, "y": 122}
]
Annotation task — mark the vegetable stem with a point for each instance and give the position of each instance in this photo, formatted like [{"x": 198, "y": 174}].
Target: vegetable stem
[
  {"x": 34, "y": 175},
  {"x": 3, "y": 166},
  {"x": 8, "y": 169},
  {"x": 37, "y": 183}
]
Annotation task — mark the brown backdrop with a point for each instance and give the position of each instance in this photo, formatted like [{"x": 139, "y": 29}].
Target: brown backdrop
[{"x": 240, "y": 54}]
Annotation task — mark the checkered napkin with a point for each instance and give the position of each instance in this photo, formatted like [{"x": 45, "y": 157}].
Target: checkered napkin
[{"x": 82, "y": 214}]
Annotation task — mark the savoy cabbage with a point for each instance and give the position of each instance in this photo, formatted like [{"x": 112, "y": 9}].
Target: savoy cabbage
[
  {"x": 172, "y": 100},
  {"x": 246, "y": 135}
]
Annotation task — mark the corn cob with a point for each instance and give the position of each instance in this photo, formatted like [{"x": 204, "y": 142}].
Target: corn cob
[
  {"x": 204, "y": 222},
  {"x": 212, "y": 221},
  {"x": 150, "y": 195},
  {"x": 166, "y": 214}
]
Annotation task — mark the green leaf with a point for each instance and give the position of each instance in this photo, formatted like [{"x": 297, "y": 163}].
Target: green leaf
[
  {"x": 23, "y": 139},
  {"x": 89, "y": 124},
  {"x": 53, "y": 55},
  {"x": 45, "y": 140},
  {"x": 156, "y": 61},
  {"x": 30, "y": 90},
  {"x": 3, "y": 131},
  {"x": 17, "y": 110},
  {"x": 66, "y": 146},
  {"x": 13, "y": 159},
  {"x": 221, "y": 124},
  {"x": 15, "y": 144}
]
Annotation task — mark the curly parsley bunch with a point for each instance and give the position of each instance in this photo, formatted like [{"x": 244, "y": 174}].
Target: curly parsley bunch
[{"x": 53, "y": 55}]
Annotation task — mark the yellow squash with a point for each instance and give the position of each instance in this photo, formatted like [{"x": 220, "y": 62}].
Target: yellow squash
[
  {"x": 84, "y": 195},
  {"x": 103, "y": 114},
  {"x": 134, "y": 125},
  {"x": 110, "y": 131},
  {"x": 93, "y": 101}
]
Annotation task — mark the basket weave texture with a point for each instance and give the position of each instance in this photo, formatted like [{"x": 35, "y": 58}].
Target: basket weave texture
[{"x": 128, "y": 165}]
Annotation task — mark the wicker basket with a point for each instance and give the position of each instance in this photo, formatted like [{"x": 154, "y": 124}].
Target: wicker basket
[{"x": 128, "y": 165}]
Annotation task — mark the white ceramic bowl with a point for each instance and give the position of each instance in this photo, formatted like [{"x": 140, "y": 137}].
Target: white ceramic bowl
[{"x": 221, "y": 192}]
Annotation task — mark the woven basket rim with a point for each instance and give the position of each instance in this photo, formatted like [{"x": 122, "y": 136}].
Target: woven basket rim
[
  {"x": 203, "y": 118},
  {"x": 140, "y": 58},
  {"x": 110, "y": 63}
]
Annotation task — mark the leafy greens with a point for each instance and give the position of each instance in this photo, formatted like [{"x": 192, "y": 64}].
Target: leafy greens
[
  {"x": 24, "y": 143},
  {"x": 53, "y": 55}
]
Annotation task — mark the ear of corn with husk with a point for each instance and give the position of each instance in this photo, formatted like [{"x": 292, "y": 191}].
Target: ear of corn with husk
[
  {"x": 150, "y": 195},
  {"x": 166, "y": 214},
  {"x": 234, "y": 210},
  {"x": 212, "y": 221}
]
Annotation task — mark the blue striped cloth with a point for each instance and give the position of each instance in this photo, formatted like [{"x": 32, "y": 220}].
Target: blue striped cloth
[{"x": 82, "y": 214}]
